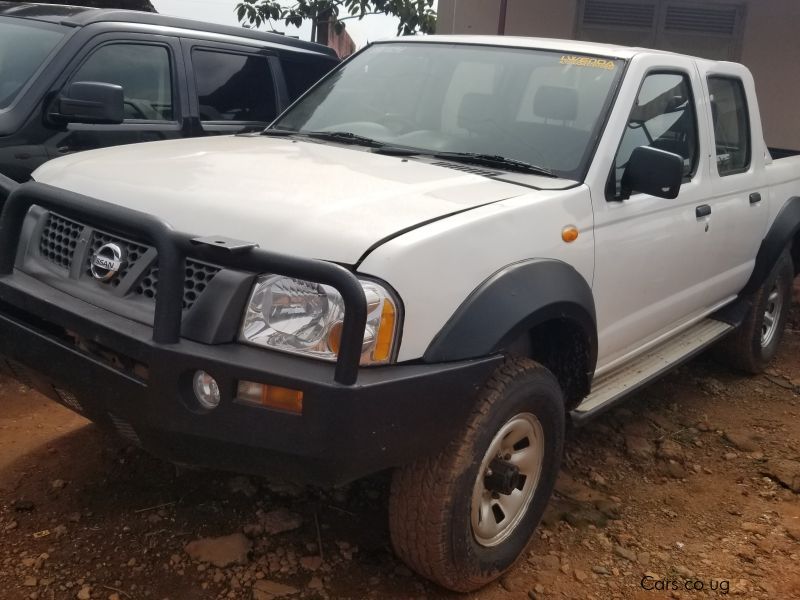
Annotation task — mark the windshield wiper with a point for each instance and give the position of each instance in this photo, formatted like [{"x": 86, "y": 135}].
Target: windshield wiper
[
  {"x": 493, "y": 160},
  {"x": 344, "y": 137}
]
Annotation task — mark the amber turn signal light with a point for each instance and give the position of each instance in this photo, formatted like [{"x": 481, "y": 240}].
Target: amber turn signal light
[
  {"x": 271, "y": 396},
  {"x": 569, "y": 234}
]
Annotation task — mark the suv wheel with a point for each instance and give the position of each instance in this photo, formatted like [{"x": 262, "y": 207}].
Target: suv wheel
[
  {"x": 755, "y": 342},
  {"x": 463, "y": 517}
]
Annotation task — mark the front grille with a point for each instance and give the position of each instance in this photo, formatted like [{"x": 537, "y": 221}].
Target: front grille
[
  {"x": 198, "y": 276},
  {"x": 59, "y": 245},
  {"x": 59, "y": 239},
  {"x": 133, "y": 252}
]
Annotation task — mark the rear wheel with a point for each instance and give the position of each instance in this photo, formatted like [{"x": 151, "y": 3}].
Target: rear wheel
[
  {"x": 755, "y": 342},
  {"x": 463, "y": 517}
]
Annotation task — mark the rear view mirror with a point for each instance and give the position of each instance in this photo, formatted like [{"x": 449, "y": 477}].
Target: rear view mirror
[
  {"x": 91, "y": 102},
  {"x": 654, "y": 172}
]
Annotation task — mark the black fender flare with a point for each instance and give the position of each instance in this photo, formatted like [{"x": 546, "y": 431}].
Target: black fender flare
[
  {"x": 784, "y": 229},
  {"x": 512, "y": 301}
]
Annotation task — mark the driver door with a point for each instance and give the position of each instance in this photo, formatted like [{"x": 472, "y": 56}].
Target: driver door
[
  {"x": 650, "y": 277},
  {"x": 150, "y": 70}
]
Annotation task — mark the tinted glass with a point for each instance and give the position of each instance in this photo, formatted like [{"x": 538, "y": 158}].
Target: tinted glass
[
  {"x": 731, "y": 124},
  {"x": 234, "y": 87},
  {"x": 664, "y": 117},
  {"x": 23, "y": 49},
  {"x": 536, "y": 106},
  {"x": 301, "y": 75},
  {"x": 143, "y": 72}
]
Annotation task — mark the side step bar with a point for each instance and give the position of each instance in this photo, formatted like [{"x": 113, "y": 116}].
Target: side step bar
[{"x": 612, "y": 387}]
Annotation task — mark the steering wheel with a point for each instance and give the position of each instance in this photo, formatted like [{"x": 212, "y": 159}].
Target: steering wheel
[{"x": 143, "y": 109}]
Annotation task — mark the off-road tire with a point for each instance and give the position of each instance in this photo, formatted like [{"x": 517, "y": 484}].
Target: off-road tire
[
  {"x": 430, "y": 500},
  {"x": 743, "y": 349}
]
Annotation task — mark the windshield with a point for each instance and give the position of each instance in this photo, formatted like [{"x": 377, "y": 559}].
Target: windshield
[
  {"x": 23, "y": 48},
  {"x": 539, "y": 107}
]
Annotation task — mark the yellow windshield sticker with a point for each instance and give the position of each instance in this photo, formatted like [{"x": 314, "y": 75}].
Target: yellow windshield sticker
[{"x": 588, "y": 61}]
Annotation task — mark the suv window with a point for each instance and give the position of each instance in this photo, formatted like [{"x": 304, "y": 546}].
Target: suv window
[
  {"x": 731, "y": 124},
  {"x": 664, "y": 117},
  {"x": 300, "y": 75},
  {"x": 234, "y": 87},
  {"x": 24, "y": 46},
  {"x": 144, "y": 73}
]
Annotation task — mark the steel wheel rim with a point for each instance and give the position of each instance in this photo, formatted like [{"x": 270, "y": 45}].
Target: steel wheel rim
[
  {"x": 521, "y": 442},
  {"x": 772, "y": 316}
]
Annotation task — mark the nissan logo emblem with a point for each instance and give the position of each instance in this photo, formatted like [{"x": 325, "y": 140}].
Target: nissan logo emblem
[{"x": 107, "y": 262}]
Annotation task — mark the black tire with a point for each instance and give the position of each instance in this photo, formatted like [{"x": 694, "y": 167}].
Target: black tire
[
  {"x": 430, "y": 505},
  {"x": 744, "y": 349}
]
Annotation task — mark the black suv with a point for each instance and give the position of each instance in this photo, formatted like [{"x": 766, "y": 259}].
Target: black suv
[{"x": 75, "y": 78}]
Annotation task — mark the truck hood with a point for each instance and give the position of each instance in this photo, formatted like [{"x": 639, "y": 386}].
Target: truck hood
[{"x": 302, "y": 198}]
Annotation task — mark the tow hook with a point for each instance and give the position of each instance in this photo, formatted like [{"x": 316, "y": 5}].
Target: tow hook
[{"x": 502, "y": 477}]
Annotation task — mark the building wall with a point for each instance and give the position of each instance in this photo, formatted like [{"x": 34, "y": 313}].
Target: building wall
[
  {"x": 340, "y": 41},
  {"x": 770, "y": 46}
]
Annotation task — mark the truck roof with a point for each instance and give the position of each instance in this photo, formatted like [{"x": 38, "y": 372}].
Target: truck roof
[
  {"x": 508, "y": 41},
  {"x": 81, "y": 16}
]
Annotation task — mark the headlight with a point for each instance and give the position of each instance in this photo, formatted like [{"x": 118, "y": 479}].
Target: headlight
[{"x": 306, "y": 318}]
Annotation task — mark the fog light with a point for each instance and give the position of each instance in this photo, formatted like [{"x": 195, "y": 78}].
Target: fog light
[
  {"x": 271, "y": 396},
  {"x": 206, "y": 390}
]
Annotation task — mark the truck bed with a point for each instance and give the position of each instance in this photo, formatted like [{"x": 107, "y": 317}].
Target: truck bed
[
  {"x": 779, "y": 153},
  {"x": 783, "y": 178}
]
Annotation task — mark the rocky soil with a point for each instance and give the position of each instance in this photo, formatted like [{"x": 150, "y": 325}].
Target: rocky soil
[{"x": 694, "y": 482}]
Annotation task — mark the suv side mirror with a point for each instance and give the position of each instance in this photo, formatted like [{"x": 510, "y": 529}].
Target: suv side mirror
[
  {"x": 654, "y": 172},
  {"x": 91, "y": 102}
]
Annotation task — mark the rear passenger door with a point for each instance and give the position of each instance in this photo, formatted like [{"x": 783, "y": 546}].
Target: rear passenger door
[
  {"x": 232, "y": 88},
  {"x": 151, "y": 72},
  {"x": 739, "y": 197}
]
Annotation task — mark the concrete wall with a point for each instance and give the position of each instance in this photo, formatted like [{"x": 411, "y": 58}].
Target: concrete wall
[
  {"x": 770, "y": 46},
  {"x": 771, "y": 49}
]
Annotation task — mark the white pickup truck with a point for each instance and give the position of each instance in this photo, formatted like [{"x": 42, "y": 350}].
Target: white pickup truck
[{"x": 436, "y": 258}]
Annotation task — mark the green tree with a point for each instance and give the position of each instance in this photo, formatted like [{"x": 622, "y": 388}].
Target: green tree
[{"x": 415, "y": 15}]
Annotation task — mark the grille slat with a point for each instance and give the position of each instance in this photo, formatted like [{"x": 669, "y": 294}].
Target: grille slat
[
  {"x": 476, "y": 170},
  {"x": 619, "y": 14},
  {"x": 702, "y": 19},
  {"x": 59, "y": 240}
]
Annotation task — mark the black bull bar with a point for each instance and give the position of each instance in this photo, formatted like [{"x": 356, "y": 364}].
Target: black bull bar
[{"x": 173, "y": 249}]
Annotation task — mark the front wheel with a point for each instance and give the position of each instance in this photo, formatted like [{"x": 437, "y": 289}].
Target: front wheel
[
  {"x": 463, "y": 517},
  {"x": 755, "y": 342}
]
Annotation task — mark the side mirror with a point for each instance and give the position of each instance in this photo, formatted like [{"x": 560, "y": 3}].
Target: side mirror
[
  {"x": 91, "y": 102},
  {"x": 654, "y": 172}
]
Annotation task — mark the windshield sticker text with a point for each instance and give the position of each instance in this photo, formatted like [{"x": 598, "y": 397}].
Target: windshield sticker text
[{"x": 587, "y": 61}]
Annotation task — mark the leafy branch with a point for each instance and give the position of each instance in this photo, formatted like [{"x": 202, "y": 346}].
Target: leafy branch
[{"x": 415, "y": 15}]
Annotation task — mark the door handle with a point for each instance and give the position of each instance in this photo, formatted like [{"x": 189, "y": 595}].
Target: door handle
[
  {"x": 755, "y": 198},
  {"x": 702, "y": 211}
]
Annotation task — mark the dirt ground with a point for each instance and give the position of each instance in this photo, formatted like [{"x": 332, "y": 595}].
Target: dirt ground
[{"x": 684, "y": 492}]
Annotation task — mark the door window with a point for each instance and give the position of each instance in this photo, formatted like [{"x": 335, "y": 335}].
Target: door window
[
  {"x": 663, "y": 117},
  {"x": 234, "y": 87},
  {"x": 731, "y": 124},
  {"x": 144, "y": 73},
  {"x": 24, "y": 46}
]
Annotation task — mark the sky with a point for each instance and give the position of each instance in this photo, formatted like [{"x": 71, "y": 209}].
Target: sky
[{"x": 371, "y": 28}]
